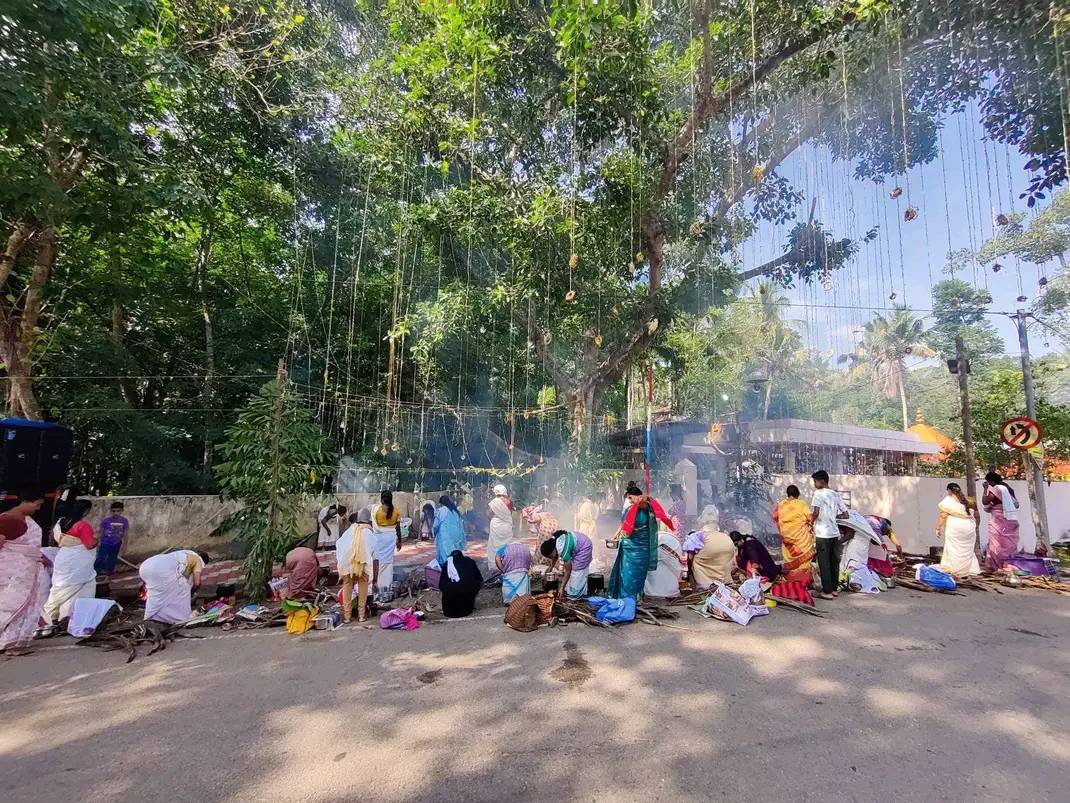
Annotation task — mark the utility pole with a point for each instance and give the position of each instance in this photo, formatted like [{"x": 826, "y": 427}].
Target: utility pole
[
  {"x": 1033, "y": 475},
  {"x": 962, "y": 368}
]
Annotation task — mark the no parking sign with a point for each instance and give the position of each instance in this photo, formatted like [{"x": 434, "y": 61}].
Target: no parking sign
[{"x": 1021, "y": 433}]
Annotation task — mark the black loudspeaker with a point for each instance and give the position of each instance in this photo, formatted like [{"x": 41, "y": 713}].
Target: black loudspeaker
[
  {"x": 54, "y": 460},
  {"x": 34, "y": 454}
]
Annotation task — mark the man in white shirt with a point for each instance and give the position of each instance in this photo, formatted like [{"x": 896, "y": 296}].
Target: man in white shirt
[{"x": 827, "y": 507}]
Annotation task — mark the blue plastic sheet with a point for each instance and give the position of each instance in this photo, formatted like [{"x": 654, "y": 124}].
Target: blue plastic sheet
[
  {"x": 613, "y": 611},
  {"x": 934, "y": 578}
]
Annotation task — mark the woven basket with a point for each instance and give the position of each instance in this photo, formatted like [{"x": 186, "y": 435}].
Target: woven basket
[
  {"x": 546, "y": 607},
  {"x": 523, "y": 614}
]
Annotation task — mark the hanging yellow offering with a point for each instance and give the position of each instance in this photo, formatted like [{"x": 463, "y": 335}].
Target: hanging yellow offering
[
  {"x": 573, "y": 260},
  {"x": 598, "y": 341},
  {"x": 570, "y": 295},
  {"x": 758, "y": 172},
  {"x": 896, "y": 192},
  {"x": 910, "y": 214},
  {"x": 639, "y": 258}
]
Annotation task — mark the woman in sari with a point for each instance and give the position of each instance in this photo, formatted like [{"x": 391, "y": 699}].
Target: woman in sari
[
  {"x": 386, "y": 531},
  {"x": 24, "y": 578},
  {"x": 637, "y": 551},
  {"x": 793, "y": 518},
  {"x": 500, "y": 531},
  {"x": 587, "y": 517},
  {"x": 303, "y": 569},
  {"x": 678, "y": 509},
  {"x": 1001, "y": 505},
  {"x": 170, "y": 580},
  {"x": 957, "y": 526},
  {"x": 710, "y": 555},
  {"x": 449, "y": 530},
  {"x": 74, "y": 573},
  {"x": 514, "y": 562}
]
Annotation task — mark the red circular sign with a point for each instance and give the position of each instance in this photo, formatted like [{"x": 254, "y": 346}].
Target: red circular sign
[{"x": 1021, "y": 433}]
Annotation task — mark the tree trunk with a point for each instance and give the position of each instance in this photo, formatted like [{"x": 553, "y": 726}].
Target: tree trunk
[
  {"x": 901, "y": 381},
  {"x": 204, "y": 255},
  {"x": 20, "y": 331},
  {"x": 768, "y": 396}
]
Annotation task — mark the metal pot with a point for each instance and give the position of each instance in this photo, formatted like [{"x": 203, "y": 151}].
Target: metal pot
[{"x": 936, "y": 552}]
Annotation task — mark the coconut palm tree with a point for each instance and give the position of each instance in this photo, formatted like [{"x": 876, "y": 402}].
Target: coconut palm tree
[
  {"x": 886, "y": 342},
  {"x": 781, "y": 340}
]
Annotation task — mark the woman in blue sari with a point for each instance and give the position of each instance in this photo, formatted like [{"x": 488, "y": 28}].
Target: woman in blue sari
[
  {"x": 449, "y": 530},
  {"x": 637, "y": 553}
]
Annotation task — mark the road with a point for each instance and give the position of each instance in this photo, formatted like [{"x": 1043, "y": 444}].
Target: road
[{"x": 907, "y": 696}]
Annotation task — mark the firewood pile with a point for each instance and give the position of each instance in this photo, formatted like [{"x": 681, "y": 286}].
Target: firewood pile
[
  {"x": 997, "y": 583},
  {"x": 567, "y": 610}
]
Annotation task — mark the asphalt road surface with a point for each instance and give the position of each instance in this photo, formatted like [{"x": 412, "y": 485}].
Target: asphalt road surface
[{"x": 907, "y": 696}]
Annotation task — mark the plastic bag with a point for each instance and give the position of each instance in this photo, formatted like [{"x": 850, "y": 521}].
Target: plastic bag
[
  {"x": 751, "y": 591},
  {"x": 934, "y": 578},
  {"x": 399, "y": 619},
  {"x": 613, "y": 611},
  {"x": 300, "y": 621},
  {"x": 865, "y": 581}
]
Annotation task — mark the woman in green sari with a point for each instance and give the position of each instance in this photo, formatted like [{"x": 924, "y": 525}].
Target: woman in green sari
[{"x": 638, "y": 544}]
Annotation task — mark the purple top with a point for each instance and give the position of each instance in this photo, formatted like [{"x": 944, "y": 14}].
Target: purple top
[
  {"x": 113, "y": 529},
  {"x": 515, "y": 557},
  {"x": 584, "y": 551}
]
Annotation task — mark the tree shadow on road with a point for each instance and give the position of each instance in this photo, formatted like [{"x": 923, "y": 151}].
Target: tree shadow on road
[{"x": 908, "y": 695}]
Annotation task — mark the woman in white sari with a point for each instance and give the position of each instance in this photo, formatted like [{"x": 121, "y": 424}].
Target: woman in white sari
[
  {"x": 957, "y": 526},
  {"x": 73, "y": 573},
  {"x": 170, "y": 580},
  {"x": 501, "y": 526}
]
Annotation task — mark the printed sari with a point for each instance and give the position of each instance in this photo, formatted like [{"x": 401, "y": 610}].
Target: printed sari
[
  {"x": 797, "y": 538},
  {"x": 1002, "y": 509},
  {"x": 24, "y": 584}
]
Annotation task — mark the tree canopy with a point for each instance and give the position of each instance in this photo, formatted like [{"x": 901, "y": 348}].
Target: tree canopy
[{"x": 463, "y": 226}]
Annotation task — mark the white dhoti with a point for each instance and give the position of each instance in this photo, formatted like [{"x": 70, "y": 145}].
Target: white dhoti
[
  {"x": 577, "y": 582},
  {"x": 61, "y": 599}
]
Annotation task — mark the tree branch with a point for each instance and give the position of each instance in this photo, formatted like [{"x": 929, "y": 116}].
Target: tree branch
[
  {"x": 20, "y": 236},
  {"x": 709, "y": 105}
]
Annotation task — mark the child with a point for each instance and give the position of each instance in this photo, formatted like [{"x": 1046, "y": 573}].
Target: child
[{"x": 112, "y": 531}]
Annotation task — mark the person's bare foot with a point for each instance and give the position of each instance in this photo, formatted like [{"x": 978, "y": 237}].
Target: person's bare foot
[
  {"x": 835, "y": 593},
  {"x": 825, "y": 595}
]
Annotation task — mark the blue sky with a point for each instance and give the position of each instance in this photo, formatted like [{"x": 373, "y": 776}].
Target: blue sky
[{"x": 957, "y": 196}]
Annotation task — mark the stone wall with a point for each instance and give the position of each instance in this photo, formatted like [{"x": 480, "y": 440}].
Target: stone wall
[{"x": 158, "y": 523}]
